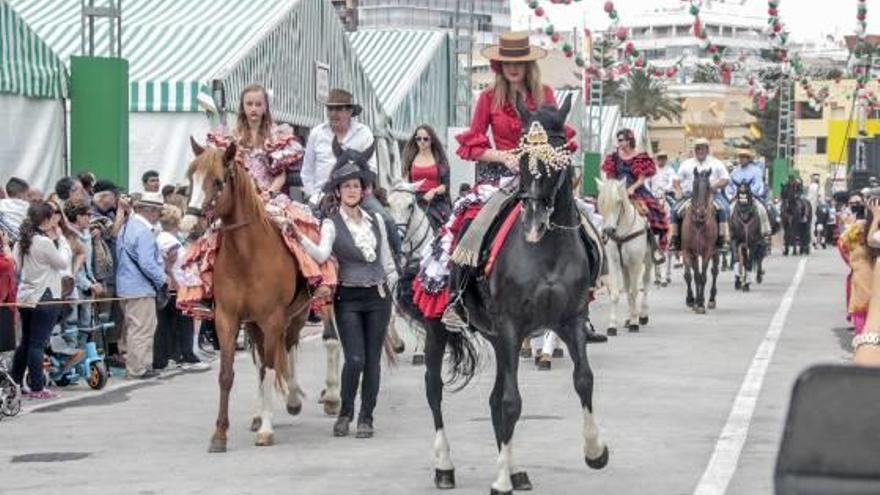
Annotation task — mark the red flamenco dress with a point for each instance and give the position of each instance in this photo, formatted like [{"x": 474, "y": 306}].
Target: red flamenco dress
[
  {"x": 431, "y": 285},
  {"x": 631, "y": 170}
]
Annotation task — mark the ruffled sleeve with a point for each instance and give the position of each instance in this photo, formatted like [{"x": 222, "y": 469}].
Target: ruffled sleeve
[
  {"x": 285, "y": 153},
  {"x": 609, "y": 166},
  {"x": 474, "y": 142},
  {"x": 643, "y": 166}
]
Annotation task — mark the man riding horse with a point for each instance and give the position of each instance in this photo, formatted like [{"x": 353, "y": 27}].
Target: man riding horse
[
  {"x": 750, "y": 173},
  {"x": 719, "y": 178}
]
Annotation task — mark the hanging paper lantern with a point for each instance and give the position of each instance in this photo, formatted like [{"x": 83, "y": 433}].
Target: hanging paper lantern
[
  {"x": 555, "y": 37},
  {"x": 549, "y": 30},
  {"x": 533, "y": 4},
  {"x": 670, "y": 72},
  {"x": 613, "y": 15},
  {"x": 762, "y": 102},
  {"x": 630, "y": 48},
  {"x": 609, "y": 7},
  {"x": 621, "y": 33},
  {"x": 539, "y": 11},
  {"x": 695, "y": 9}
]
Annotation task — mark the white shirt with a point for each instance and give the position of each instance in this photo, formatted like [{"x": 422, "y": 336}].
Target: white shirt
[
  {"x": 13, "y": 211},
  {"x": 661, "y": 182},
  {"x": 813, "y": 194},
  {"x": 42, "y": 268},
  {"x": 691, "y": 166},
  {"x": 319, "y": 159},
  {"x": 362, "y": 232}
]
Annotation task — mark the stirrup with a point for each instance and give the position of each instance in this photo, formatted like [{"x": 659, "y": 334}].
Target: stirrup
[{"x": 451, "y": 320}]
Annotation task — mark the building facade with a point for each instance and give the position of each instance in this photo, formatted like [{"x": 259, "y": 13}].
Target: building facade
[{"x": 491, "y": 17}]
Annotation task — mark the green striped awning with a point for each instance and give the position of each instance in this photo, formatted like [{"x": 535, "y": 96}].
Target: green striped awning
[
  {"x": 28, "y": 66},
  {"x": 174, "y": 47},
  {"x": 410, "y": 72}
]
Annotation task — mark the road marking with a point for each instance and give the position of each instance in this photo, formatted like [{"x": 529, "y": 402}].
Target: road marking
[{"x": 725, "y": 458}]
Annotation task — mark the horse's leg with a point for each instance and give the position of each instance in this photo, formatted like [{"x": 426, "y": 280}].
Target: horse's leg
[
  {"x": 258, "y": 359},
  {"x": 634, "y": 273},
  {"x": 227, "y": 331},
  {"x": 646, "y": 285},
  {"x": 506, "y": 404},
  {"x": 614, "y": 284},
  {"x": 294, "y": 391},
  {"x": 688, "y": 279},
  {"x": 714, "y": 290},
  {"x": 700, "y": 280},
  {"x": 595, "y": 450},
  {"x": 330, "y": 396},
  {"x": 272, "y": 329},
  {"x": 435, "y": 348}
]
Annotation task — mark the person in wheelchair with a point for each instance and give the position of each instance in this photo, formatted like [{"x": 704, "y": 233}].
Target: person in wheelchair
[
  {"x": 684, "y": 188},
  {"x": 748, "y": 172}
]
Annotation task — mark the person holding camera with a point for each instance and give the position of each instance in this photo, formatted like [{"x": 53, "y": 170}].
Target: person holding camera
[
  {"x": 140, "y": 280},
  {"x": 42, "y": 255}
]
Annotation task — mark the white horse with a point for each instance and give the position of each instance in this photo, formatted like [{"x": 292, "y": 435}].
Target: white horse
[
  {"x": 415, "y": 234},
  {"x": 628, "y": 253}
]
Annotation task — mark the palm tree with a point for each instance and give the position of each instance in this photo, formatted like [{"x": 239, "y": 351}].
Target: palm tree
[
  {"x": 644, "y": 96},
  {"x": 706, "y": 73}
]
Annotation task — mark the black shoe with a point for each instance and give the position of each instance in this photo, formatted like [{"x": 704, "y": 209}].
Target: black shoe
[
  {"x": 364, "y": 429},
  {"x": 596, "y": 338},
  {"x": 340, "y": 428}
]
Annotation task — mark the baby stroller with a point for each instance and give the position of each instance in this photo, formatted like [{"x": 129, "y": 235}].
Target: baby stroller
[{"x": 10, "y": 393}]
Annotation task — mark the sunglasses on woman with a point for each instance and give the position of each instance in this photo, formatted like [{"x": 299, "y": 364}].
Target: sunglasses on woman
[{"x": 423, "y": 139}]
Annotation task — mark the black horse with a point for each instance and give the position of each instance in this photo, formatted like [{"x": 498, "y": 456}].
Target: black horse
[
  {"x": 541, "y": 279},
  {"x": 797, "y": 216},
  {"x": 826, "y": 221},
  {"x": 747, "y": 244}
]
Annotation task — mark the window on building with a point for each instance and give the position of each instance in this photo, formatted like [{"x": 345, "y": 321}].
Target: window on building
[
  {"x": 806, "y": 111},
  {"x": 821, "y": 145}
]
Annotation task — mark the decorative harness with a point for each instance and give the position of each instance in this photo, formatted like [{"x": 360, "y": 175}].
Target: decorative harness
[
  {"x": 219, "y": 185},
  {"x": 620, "y": 241}
]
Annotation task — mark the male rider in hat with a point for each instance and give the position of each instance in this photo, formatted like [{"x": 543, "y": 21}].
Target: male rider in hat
[
  {"x": 684, "y": 188},
  {"x": 749, "y": 172}
]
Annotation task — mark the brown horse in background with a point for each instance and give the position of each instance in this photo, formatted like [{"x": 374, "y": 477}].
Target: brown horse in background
[
  {"x": 256, "y": 280},
  {"x": 699, "y": 232}
]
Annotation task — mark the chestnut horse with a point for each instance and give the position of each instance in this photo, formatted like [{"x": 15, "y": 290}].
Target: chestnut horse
[
  {"x": 257, "y": 281},
  {"x": 699, "y": 232}
]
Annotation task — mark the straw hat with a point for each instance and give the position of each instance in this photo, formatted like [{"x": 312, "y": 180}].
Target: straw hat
[
  {"x": 513, "y": 47},
  {"x": 701, "y": 142},
  {"x": 745, "y": 152},
  {"x": 150, "y": 199},
  {"x": 661, "y": 154}
]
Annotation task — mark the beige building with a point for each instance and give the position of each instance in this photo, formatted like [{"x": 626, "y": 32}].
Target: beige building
[{"x": 712, "y": 111}]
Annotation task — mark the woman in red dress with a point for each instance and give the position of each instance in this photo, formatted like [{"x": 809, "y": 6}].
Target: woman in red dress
[
  {"x": 424, "y": 160},
  {"x": 635, "y": 168},
  {"x": 514, "y": 62}
]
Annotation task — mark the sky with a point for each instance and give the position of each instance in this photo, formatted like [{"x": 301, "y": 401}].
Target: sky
[{"x": 820, "y": 18}]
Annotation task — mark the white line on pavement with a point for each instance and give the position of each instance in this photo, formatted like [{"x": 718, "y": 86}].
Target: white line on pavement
[{"x": 725, "y": 458}]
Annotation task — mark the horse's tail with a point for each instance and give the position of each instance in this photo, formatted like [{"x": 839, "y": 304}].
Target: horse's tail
[
  {"x": 463, "y": 358},
  {"x": 279, "y": 364}
]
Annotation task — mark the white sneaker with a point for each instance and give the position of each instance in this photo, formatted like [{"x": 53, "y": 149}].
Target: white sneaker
[{"x": 196, "y": 367}]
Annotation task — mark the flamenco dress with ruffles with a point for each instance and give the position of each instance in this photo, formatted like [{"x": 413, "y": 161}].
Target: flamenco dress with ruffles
[
  {"x": 631, "y": 170},
  {"x": 431, "y": 286},
  {"x": 280, "y": 152},
  {"x": 859, "y": 282}
]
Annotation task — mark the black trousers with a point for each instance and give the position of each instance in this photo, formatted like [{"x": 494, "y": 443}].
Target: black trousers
[
  {"x": 362, "y": 317},
  {"x": 174, "y": 336},
  {"x": 36, "y": 328}
]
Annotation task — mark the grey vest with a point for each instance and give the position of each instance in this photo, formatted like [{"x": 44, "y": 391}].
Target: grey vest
[{"x": 354, "y": 270}]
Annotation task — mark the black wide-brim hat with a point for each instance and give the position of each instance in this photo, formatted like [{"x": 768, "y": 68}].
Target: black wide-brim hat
[{"x": 347, "y": 172}]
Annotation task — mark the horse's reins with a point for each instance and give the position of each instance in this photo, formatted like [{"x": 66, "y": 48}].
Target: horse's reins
[
  {"x": 414, "y": 246},
  {"x": 198, "y": 212},
  {"x": 620, "y": 241}
]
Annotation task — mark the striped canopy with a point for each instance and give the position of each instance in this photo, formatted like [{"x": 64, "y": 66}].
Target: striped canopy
[
  {"x": 174, "y": 47},
  {"x": 28, "y": 66},
  {"x": 410, "y": 72}
]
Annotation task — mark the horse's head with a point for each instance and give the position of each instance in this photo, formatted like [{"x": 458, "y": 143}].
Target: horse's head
[
  {"x": 702, "y": 197},
  {"x": 611, "y": 203},
  {"x": 360, "y": 158},
  {"x": 544, "y": 165},
  {"x": 411, "y": 221},
  {"x": 744, "y": 192},
  {"x": 208, "y": 174}
]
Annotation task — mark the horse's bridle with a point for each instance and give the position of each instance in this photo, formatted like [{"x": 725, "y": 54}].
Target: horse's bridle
[
  {"x": 404, "y": 229},
  {"x": 560, "y": 181},
  {"x": 620, "y": 241},
  {"x": 219, "y": 186}
]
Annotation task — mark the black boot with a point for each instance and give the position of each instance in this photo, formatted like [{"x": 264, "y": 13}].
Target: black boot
[{"x": 593, "y": 337}]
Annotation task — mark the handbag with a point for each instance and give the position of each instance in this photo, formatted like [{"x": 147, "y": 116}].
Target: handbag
[{"x": 162, "y": 295}]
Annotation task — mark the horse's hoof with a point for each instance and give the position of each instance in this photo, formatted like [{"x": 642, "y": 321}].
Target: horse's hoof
[
  {"x": 332, "y": 407},
  {"x": 643, "y": 320},
  {"x": 700, "y": 310},
  {"x": 746, "y": 288},
  {"x": 611, "y": 332},
  {"x": 525, "y": 352},
  {"x": 665, "y": 283},
  {"x": 711, "y": 304},
  {"x": 264, "y": 439},
  {"x": 444, "y": 479},
  {"x": 737, "y": 285},
  {"x": 633, "y": 329},
  {"x": 321, "y": 396},
  {"x": 295, "y": 409},
  {"x": 600, "y": 462},
  {"x": 256, "y": 423},
  {"x": 496, "y": 492},
  {"x": 544, "y": 364},
  {"x": 418, "y": 359},
  {"x": 521, "y": 482},
  {"x": 689, "y": 304},
  {"x": 218, "y": 446},
  {"x": 400, "y": 348},
  {"x": 558, "y": 353}
]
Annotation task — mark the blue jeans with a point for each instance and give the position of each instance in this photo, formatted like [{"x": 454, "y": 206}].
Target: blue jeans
[{"x": 36, "y": 327}]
